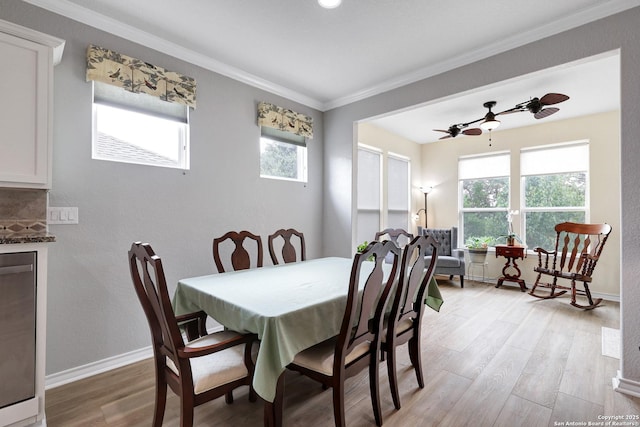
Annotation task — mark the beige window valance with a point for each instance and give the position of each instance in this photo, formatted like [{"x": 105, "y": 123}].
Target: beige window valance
[
  {"x": 285, "y": 120},
  {"x": 137, "y": 76}
]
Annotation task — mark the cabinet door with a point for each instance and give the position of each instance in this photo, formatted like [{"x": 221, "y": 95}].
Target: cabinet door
[{"x": 25, "y": 93}]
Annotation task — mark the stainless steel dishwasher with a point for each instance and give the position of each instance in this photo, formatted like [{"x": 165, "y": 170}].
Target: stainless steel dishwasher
[{"x": 17, "y": 327}]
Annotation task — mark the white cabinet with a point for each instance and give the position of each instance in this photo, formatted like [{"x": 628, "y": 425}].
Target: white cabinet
[{"x": 26, "y": 116}]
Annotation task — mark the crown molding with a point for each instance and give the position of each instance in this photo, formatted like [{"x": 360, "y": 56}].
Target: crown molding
[
  {"x": 110, "y": 25},
  {"x": 599, "y": 11},
  {"x": 102, "y": 22}
]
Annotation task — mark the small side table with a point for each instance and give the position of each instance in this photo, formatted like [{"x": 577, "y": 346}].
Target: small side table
[{"x": 511, "y": 253}]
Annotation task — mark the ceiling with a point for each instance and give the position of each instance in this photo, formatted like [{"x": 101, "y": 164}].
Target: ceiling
[
  {"x": 328, "y": 58},
  {"x": 593, "y": 86}
]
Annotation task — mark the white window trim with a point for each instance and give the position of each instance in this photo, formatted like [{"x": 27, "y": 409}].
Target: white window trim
[
  {"x": 523, "y": 209},
  {"x": 302, "y": 164}
]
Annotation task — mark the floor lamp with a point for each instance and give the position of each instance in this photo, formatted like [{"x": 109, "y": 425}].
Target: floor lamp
[{"x": 426, "y": 191}]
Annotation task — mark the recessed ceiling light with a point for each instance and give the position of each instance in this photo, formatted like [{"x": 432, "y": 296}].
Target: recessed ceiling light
[{"x": 329, "y": 4}]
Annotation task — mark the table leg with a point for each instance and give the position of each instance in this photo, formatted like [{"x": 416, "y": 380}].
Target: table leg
[
  {"x": 273, "y": 410},
  {"x": 509, "y": 277}
]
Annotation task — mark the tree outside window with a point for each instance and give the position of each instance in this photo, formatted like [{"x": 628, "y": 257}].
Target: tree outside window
[
  {"x": 552, "y": 199},
  {"x": 484, "y": 195},
  {"x": 282, "y": 160},
  {"x": 485, "y": 203},
  {"x": 555, "y": 188}
]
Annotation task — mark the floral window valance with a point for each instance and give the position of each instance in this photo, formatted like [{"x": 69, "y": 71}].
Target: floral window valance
[
  {"x": 285, "y": 120},
  {"x": 137, "y": 76}
]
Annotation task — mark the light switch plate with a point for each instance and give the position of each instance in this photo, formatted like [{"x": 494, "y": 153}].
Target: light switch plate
[{"x": 59, "y": 215}]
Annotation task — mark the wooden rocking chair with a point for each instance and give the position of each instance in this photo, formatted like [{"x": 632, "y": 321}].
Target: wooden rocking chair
[{"x": 578, "y": 248}]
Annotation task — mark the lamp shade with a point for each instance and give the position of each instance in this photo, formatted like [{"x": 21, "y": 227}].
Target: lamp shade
[{"x": 490, "y": 124}]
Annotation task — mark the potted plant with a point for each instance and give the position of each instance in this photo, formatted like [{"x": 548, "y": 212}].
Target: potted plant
[
  {"x": 510, "y": 237},
  {"x": 477, "y": 247}
]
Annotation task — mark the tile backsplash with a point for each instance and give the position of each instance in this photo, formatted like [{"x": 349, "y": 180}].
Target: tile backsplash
[{"x": 23, "y": 209}]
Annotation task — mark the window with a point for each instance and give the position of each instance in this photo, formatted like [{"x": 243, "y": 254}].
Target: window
[
  {"x": 369, "y": 202},
  {"x": 398, "y": 192},
  {"x": 484, "y": 194},
  {"x": 555, "y": 186},
  {"x": 283, "y": 155},
  {"x": 138, "y": 128}
]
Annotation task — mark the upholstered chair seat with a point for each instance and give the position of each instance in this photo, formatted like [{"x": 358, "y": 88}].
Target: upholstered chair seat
[
  {"x": 320, "y": 357},
  {"x": 214, "y": 369}
]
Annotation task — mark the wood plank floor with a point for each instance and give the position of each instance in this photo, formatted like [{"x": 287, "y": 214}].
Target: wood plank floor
[{"x": 492, "y": 357}]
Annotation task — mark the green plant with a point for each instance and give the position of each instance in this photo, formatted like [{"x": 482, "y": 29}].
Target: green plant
[
  {"x": 506, "y": 237},
  {"x": 362, "y": 247},
  {"x": 478, "y": 242}
]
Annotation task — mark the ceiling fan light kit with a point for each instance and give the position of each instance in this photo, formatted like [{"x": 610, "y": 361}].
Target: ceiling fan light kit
[
  {"x": 329, "y": 4},
  {"x": 535, "y": 106},
  {"x": 490, "y": 121}
]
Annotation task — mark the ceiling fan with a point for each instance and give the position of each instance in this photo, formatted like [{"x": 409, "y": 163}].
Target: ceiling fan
[{"x": 536, "y": 106}]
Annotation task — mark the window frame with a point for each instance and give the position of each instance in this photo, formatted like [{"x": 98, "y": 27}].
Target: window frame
[
  {"x": 378, "y": 210},
  {"x": 462, "y": 209},
  {"x": 182, "y": 143},
  {"x": 407, "y": 160},
  {"x": 524, "y": 209},
  {"x": 278, "y": 136}
]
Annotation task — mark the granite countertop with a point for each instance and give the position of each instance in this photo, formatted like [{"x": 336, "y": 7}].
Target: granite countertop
[{"x": 8, "y": 237}]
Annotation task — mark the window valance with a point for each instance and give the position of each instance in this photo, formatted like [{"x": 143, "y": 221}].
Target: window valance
[
  {"x": 285, "y": 120},
  {"x": 137, "y": 76}
]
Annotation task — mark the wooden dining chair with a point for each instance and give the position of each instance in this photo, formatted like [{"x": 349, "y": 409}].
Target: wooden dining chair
[
  {"x": 357, "y": 346},
  {"x": 395, "y": 234},
  {"x": 201, "y": 370},
  {"x": 240, "y": 258},
  {"x": 574, "y": 258},
  {"x": 288, "y": 252},
  {"x": 404, "y": 323}
]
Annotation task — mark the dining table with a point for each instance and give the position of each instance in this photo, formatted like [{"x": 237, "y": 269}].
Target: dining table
[{"x": 290, "y": 307}]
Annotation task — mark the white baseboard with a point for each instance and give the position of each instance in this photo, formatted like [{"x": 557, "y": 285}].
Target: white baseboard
[
  {"x": 606, "y": 297},
  {"x": 104, "y": 365},
  {"x": 94, "y": 368},
  {"x": 626, "y": 386}
]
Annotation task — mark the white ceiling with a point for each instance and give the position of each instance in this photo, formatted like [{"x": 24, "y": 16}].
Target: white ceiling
[
  {"x": 328, "y": 58},
  {"x": 593, "y": 86}
]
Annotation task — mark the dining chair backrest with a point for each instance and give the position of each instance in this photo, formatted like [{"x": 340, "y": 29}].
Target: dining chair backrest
[
  {"x": 150, "y": 284},
  {"x": 364, "y": 312},
  {"x": 288, "y": 251},
  {"x": 398, "y": 236},
  {"x": 240, "y": 257},
  {"x": 415, "y": 275}
]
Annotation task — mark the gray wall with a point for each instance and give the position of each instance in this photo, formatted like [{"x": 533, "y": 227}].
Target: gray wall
[
  {"x": 615, "y": 32},
  {"x": 92, "y": 309},
  {"x": 93, "y": 312}
]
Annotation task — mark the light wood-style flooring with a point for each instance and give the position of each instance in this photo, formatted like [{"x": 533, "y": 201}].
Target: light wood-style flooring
[{"x": 492, "y": 357}]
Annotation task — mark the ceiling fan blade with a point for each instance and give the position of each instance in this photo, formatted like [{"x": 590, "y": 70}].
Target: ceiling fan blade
[
  {"x": 446, "y": 137},
  {"x": 511, "y": 111},
  {"x": 545, "y": 112},
  {"x": 472, "y": 131},
  {"x": 553, "y": 98},
  {"x": 441, "y": 130}
]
